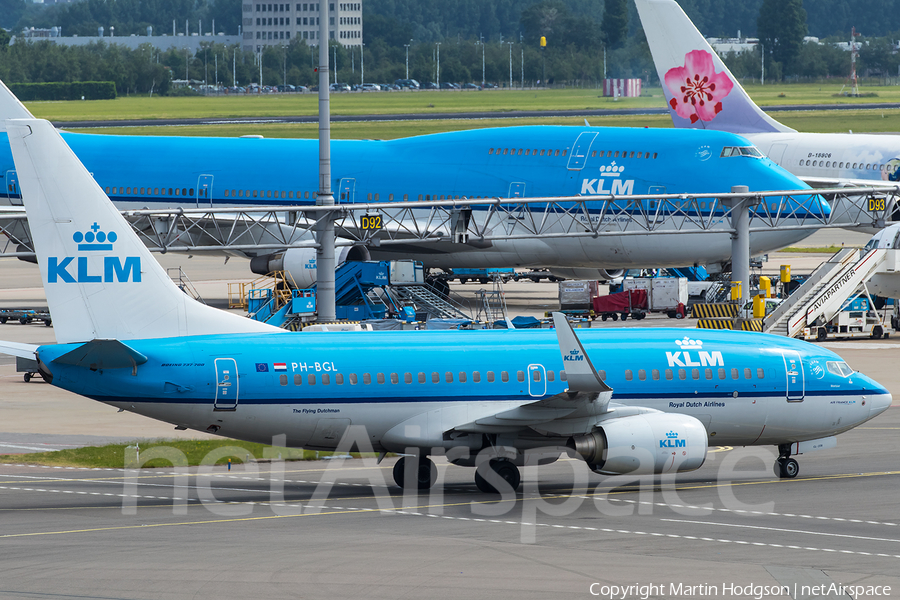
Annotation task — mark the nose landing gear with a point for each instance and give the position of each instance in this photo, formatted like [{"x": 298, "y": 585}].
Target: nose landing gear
[{"x": 786, "y": 467}]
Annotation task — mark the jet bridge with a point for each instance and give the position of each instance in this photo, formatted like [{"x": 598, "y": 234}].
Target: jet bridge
[{"x": 821, "y": 297}]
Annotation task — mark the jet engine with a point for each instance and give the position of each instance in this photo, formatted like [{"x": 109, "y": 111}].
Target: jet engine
[
  {"x": 299, "y": 264},
  {"x": 644, "y": 444},
  {"x": 589, "y": 274}
]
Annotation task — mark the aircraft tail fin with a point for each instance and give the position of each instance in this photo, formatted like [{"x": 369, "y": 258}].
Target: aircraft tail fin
[
  {"x": 101, "y": 282},
  {"x": 10, "y": 107},
  {"x": 700, "y": 90}
]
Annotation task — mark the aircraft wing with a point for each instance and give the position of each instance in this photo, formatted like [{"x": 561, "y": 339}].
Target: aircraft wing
[{"x": 585, "y": 401}]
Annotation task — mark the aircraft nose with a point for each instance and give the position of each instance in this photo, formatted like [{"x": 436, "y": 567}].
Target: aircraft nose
[{"x": 879, "y": 403}]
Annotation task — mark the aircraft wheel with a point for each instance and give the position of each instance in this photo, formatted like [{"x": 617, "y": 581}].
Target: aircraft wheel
[
  {"x": 505, "y": 469},
  {"x": 787, "y": 468},
  {"x": 425, "y": 476},
  {"x": 821, "y": 334}
]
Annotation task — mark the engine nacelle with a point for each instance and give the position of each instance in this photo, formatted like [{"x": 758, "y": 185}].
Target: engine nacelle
[
  {"x": 644, "y": 444},
  {"x": 589, "y": 274},
  {"x": 299, "y": 264}
]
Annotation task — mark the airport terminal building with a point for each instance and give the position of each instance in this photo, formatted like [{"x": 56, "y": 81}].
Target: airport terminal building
[{"x": 268, "y": 24}]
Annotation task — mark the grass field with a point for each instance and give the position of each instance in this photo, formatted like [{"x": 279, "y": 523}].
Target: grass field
[
  {"x": 422, "y": 102},
  {"x": 180, "y": 452},
  {"x": 860, "y": 121}
]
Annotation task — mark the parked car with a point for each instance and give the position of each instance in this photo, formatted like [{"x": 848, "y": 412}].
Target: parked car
[
  {"x": 487, "y": 86},
  {"x": 339, "y": 87},
  {"x": 301, "y": 88},
  {"x": 449, "y": 86},
  {"x": 429, "y": 85},
  {"x": 371, "y": 87},
  {"x": 407, "y": 83},
  {"x": 471, "y": 86}
]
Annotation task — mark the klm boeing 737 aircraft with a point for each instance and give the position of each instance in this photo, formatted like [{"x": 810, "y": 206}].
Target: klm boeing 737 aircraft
[
  {"x": 627, "y": 401},
  {"x": 513, "y": 162}
]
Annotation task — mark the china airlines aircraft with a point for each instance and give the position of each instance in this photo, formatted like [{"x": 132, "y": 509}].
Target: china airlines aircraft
[
  {"x": 641, "y": 401},
  {"x": 703, "y": 94}
]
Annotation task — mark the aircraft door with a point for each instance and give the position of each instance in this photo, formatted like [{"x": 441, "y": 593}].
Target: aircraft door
[
  {"x": 793, "y": 367},
  {"x": 537, "y": 380},
  {"x": 776, "y": 153},
  {"x": 226, "y": 384},
  {"x": 517, "y": 189},
  {"x": 12, "y": 188},
  {"x": 204, "y": 191},
  {"x": 581, "y": 149},
  {"x": 347, "y": 190}
]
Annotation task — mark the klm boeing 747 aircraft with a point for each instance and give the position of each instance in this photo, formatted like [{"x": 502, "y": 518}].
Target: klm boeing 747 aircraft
[
  {"x": 627, "y": 401},
  {"x": 514, "y": 162}
]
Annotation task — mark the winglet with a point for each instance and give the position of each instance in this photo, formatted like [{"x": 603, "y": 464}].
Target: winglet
[
  {"x": 10, "y": 107},
  {"x": 580, "y": 372}
]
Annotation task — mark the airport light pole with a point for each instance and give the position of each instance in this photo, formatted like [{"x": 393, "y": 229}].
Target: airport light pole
[
  {"x": 325, "y": 301},
  {"x": 438, "y": 73},
  {"x": 362, "y": 64},
  {"x": 510, "y": 64},
  {"x": 481, "y": 43},
  {"x": 407, "y": 59}
]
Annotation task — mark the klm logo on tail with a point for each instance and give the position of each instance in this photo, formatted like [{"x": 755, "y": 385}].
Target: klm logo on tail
[{"x": 115, "y": 269}]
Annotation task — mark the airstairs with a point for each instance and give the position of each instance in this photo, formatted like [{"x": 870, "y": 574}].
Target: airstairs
[
  {"x": 821, "y": 296},
  {"x": 425, "y": 300}
]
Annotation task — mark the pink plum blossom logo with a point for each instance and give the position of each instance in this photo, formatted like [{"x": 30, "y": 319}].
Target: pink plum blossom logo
[{"x": 697, "y": 90}]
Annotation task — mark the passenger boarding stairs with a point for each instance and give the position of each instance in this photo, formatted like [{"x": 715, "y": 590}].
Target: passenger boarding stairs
[
  {"x": 823, "y": 294},
  {"x": 425, "y": 300}
]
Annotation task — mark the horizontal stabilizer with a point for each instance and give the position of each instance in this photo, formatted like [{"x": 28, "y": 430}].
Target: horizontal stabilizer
[
  {"x": 580, "y": 372},
  {"x": 103, "y": 354},
  {"x": 17, "y": 349}
]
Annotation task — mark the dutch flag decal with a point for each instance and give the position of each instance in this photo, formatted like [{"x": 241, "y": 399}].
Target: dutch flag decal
[{"x": 280, "y": 366}]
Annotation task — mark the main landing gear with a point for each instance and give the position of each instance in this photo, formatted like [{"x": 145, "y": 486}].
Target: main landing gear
[
  {"x": 425, "y": 474},
  {"x": 786, "y": 467}
]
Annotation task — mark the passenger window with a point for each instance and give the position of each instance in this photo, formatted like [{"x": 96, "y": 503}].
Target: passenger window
[
  {"x": 668, "y": 374},
  {"x": 395, "y": 378},
  {"x": 311, "y": 379},
  {"x": 490, "y": 150},
  {"x": 655, "y": 374},
  {"x": 735, "y": 374},
  {"x": 709, "y": 373},
  {"x": 563, "y": 376},
  {"x": 632, "y": 155},
  {"x": 476, "y": 376},
  {"x": 407, "y": 377},
  {"x": 721, "y": 373},
  {"x": 156, "y": 191},
  {"x": 448, "y": 377},
  {"x": 490, "y": 376},
  {"x": 520, "y": 375},
  {"x": 760, "y": 374},
  {"x": 695, "y": 373},
  {"x": 379, "y": 377},
  {"x": 339, "y": 379},
  {"x": 642, "y": 374},
  {"x": 564, "y": 152},
  {"x": 353, "y": 380},
  {"x": 628, "y": 375},
  {"x": 435, "y": 377},
  {"x": 367, "y": 379},
  {"x": 282, "y": 379},
  {"x": 298, "y": 379},
  {"x": 421, "y": 377},
  {"x": 542, "y": 152},
  {"x": 593, "y": 154},
  {"x": 536, "y": 375},
  {"x": 504, "y": 376},
  {"x": 682, "y": 374},
  {"x": 747, "y": 374},
  {"x": 556, "y": 153},
  {"x": 462, "y": 376},
  {"x": 326, "y": 379},
  {"x": 551, "y": 376},
  {"x": 520, "y": 152}
]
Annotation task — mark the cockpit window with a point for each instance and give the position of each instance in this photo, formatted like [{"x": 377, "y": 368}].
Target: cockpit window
[
  {"x": 839, "y": 368},
  {"x": 741, "y": 151},
  {"x": 870, "y": 245}
]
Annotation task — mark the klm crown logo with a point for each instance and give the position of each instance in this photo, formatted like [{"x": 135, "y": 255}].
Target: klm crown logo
[
  {"x": 689, "y": 344},
  {"x": 115, "y": 269},
  {"x": 672, "y": 441},
  {"x": 94, "y": 239}
]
